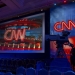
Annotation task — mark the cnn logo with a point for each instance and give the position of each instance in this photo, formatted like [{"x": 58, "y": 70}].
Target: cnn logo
[
  {"x": 13, "y": 34},
  {"x": 63, "y": 25}
]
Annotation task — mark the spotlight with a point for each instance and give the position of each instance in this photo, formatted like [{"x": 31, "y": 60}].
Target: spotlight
[
  {"x": 65, "y": 1},
  {"x": 55, "y": 4},
  {"x": 41, "y": 9},
  {"x": 72, "y": 1}
]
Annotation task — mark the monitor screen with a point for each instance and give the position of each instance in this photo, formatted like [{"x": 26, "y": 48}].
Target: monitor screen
[
  {"x": 62, "y": 29},
  {"x": 23, "y": 35}
]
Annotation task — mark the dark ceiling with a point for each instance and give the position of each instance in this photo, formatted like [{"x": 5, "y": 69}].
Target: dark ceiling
[
  {"x": 10, "y": 8},
  {"x": 2, "y": 4}
]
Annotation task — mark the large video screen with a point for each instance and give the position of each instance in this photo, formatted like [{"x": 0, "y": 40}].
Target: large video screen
[
  {"x": 62, "y": 30},
  {"x": 24, "y": 35}
]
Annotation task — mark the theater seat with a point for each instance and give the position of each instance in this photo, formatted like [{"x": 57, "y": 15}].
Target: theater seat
[
  {"x": 69, "y": 73},
  {"x": 1, "y": 73},
  {"x": 20, "y": 70},
  {"x": 40, "y": 65},
  {"x": 43, "y": 72},
  {"x": 30, "y": 71},
  {"x": 8, "y": 73},
  {"x": 55, "y": 72}
]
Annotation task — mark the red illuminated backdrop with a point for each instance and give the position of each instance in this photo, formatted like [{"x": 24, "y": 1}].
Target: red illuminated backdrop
[
  {"x": 66, "y": 48},
  {"x": 63, "y": 25}
]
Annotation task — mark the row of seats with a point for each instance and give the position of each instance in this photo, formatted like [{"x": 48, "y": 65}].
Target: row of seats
[
  {"x": 31, "y": 71},
  {"x": 12, "y": 64}
]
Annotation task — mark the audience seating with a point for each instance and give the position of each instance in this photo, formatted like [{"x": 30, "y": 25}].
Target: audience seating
[
  {"x": 55, "y": 72},
  {"x": 9, "y": 65},
  {"x": 30, "y": 71},
  {"x": 1, "y": 73},
  {"x": 23, "y": 67},
  {"x": 24, "y": 62},
  {"x": 21, "y": 70},
  {"x": 13, "y": 64},
  {"x": 4, "y": 67},
  {"x": 43, "y": 72},
  {"x": 69, "y": 73},
  {"x": 8, "y": 73},
  {"x": 40, "y": 65}
]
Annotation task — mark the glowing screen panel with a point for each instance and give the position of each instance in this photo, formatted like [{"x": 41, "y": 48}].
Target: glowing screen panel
[
  {"x": 62, "y": 18},
  {"x": 24, "y": 35}
]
